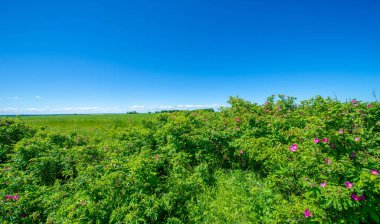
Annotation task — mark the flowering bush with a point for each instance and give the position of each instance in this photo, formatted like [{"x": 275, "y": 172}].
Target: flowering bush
[{"x": 315, "y": 161}]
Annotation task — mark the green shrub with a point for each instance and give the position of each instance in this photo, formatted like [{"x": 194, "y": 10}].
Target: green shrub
[
  {"x": 11, "y": 131},
  {"x": 316, "y": 161}
]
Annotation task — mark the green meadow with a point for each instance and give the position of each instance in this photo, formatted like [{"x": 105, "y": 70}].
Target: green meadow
[{"x": 87, "y": 123}]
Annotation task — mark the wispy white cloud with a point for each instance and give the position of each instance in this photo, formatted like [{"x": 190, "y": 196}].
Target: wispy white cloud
[
  {"x": 89, "y": 110},
  {"x": 33, "y": 109},
  {"x": 137, "y": 107},
  {"x": 165, "y": 107},
  {"x": 64, "y": 110},
  {"x": 13, "y": 98},
  {"x": 97, "y": 109},
  {"x": 38, "y": 97},
  {"x": 8, "y": 109}
]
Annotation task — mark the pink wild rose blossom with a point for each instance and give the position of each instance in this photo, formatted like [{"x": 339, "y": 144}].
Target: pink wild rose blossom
[
  {"x": 12, "y": 197},
  {"x": 307, "y": 213},
  {"x": 375, "y": 172},
  {"x": 328, "y": 161},
  {"x": 316, "y": 140},
  {"x": 323, "y": 184},
  {"x": 349, "y": 185},
  {"x": 325, "y": 140},
  {"x": 357, "y": 198},
  {"x": 293, "y": 147}
]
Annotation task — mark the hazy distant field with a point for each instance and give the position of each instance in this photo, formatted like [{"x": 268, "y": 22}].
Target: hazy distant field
[{"x": 84, "y": 123}]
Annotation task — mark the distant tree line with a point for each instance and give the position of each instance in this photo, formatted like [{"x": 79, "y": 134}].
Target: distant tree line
[{"x": 173, "y": 111}]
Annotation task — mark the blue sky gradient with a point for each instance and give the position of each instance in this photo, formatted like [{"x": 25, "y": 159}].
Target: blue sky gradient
[{"x": 114, "y": 56}]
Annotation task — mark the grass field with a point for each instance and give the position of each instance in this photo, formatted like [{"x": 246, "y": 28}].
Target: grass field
[{"x": 87, "y": 122}]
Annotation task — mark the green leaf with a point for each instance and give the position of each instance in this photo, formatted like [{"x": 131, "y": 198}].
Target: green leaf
[
  {"x": 371, "y": 150},
  {"x": 374, "y": 217}
]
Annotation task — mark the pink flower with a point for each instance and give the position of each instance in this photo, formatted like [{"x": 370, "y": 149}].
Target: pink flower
[
  {"x": 369, "y": 105},
  {"x": 340, "y": 131},
  {"x": 355, "y": 102},
  {"x": 316, "y": 140},
  {"x": 307, "y": 213},
  {"x": 279, "y": 108},
  {"x": 357, "y": 139},
  {"x": 349, "y": 185},
  {"x": 11, "y": 197},
  {"x": 328, "y": 161},
  {"x": 266, "y": 111},
  {"x": 323, "y": 184},
  {"x": 237, "y": 120},
  {"x": 293, "y": 147},
  {"x": 375, "y": 172},
  {"x": 325, "y": 140},
  {"x": 357, "y": 198},
  {"x": 241, "y": 152}
]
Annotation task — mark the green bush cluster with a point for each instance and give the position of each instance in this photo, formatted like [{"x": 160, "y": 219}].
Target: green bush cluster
[{"x": 312, "y": 162}]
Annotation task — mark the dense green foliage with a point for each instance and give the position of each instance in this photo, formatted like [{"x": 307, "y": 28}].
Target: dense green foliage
[{"x": 316, "y": 161}]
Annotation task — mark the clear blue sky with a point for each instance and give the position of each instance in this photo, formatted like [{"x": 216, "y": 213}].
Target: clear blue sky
[{"x": 70, "y": 56}]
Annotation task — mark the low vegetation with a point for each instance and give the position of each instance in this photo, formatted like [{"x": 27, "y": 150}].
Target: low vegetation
[{"x": 317, "y": 161}]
